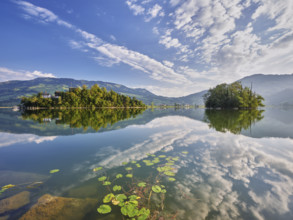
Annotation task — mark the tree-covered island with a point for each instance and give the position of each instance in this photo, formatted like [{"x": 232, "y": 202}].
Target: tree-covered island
[
  {"x": 232, "y": 96},
  {"x": 95, "y": 97}
]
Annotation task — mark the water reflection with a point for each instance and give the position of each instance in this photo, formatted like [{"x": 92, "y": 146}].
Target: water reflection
[
  {"x": 232, "y": 120},
  {"x": 83, "y": 118}
]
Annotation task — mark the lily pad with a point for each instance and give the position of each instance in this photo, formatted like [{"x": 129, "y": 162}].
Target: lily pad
[
  {"x": 141, "y": 184},
  {"x": 124, "y": 163},
  {"x": 107, "y": 183},
  {"x": 102, "y": 178},
  {"x": 117, "y": 188},
  {"x": 119, "y": 176},
  {"x": 185, "y": 152},
  {"x": 171, "y": 179},
  {"x": 121, "y": 197},
  {"x": 129, "y": 175},
  {"x": 104, "y": 209},
  {"x": 156, "y": 189},
  {"x": 54, "y": 171},
  {"x": 97, "y": 169},
  {"x": 128, "y": 168},
  {"x": 162, "y": 156},
  {"x": 138, "y": 165},
  {"x": 108, "y": 198},
  {"x": 169, "y": 173}
]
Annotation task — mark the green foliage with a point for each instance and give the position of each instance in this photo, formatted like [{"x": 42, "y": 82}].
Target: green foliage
[
  {"x": 129, "y": 175},
  {"x": 128, "y": 168},
  {"x": 141, "y": 184},
  {"x": 83, "y": 97},
  {"x": 232, "y": 96},
  {"x": 107, "y": 183}
]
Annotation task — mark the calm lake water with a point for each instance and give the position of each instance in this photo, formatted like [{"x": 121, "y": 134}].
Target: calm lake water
[{"x": 223, "y": 164}]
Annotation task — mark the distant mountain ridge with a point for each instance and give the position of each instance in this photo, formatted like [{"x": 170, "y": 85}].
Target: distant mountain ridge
[
  {"x": 12, "y": 91},
  {"x": 276, "y": 89}
]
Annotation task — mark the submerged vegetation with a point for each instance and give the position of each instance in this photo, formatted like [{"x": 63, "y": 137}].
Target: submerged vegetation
[
  {"x": 232, "y": 96},
  {"x": 135, "y": 196},
  {"x": 81, "y": 97},
  {"x": 232, "y": 120},
  {"x": 82, "y": 118}
]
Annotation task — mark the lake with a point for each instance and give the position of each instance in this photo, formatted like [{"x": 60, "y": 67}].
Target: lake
[{"x": 177, "y": 163}]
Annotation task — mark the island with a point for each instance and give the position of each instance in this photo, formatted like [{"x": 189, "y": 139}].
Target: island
[
  {"x": 95, "y": 97},
  {"x": 227, "y": 96}
]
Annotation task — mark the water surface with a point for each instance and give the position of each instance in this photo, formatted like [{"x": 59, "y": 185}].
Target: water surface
[{"x": 235, "y": 165}]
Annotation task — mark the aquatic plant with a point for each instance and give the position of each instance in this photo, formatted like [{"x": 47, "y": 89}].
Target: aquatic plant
[{"x": 140, "y": 199}]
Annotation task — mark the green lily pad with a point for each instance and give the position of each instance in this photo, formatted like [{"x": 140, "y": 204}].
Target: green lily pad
[
  {"x": 129, "y": 175},
  {"x": 104, "y": 209},
  {"x": 141, "y": 184},
  {"x": 102, "y": 178},
  {"x": 128, "y": 168},
  {"x": 97, "y": 169},
  {"x": 169, "y": 173},
  {"x": 138, "y": 165},
  {"x": 54, "y": 171},
  {"x": 133, "y": 161},
  {"x": 143, "y": 214},
  {"x": 107, "y": 183},
  {"x": 124, "y": 163},
  {"x": 171, "y": 179},
  {"x": 162, "y": 156},
  {"x": 185, "y": 152},
  {"x": 163, "y": 191},
  {"x": 108, "y": 198},
  {"x": 121, "y": 197},
  {"x": 119, "y": 176},
  {"x": 117, "y": 188},
  {"x": 156, "y": 189}
]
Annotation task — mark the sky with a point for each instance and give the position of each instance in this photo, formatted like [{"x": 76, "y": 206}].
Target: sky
[{"x": 172, "y": 48}]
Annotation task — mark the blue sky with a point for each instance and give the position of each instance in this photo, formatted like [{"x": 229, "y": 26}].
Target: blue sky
[{"x": 171, "y": 48}]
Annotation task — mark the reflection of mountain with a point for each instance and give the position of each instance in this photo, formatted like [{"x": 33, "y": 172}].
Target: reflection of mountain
[{"x": 232, "y": 120}]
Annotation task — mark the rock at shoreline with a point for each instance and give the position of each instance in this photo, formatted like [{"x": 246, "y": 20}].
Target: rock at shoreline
[
  {"x": 59, "y": 208},
  {"x": 14, "y": 202}
]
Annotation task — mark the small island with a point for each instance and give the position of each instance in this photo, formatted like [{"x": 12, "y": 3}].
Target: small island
[
  {"x": 95, "y": 97},
  {"x": 227, "y": 96}
]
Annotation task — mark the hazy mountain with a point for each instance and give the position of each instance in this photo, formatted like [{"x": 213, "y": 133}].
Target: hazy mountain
[
  {"x": 12, "y": 91},
  {"x": 276, "y": 89}
]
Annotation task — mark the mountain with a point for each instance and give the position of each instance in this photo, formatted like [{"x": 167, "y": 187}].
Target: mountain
[
  {"x": 12, "y": 91},
  {"x": 276, "y": 89}
]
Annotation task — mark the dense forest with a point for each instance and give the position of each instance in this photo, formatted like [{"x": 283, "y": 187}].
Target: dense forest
[
  {"x": 81, "y": 97},
  {"x": 232, "y": 96}
]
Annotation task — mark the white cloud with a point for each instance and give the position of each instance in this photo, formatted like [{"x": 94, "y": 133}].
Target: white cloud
[
  {"x": 168, "y": 63},
  {"x": 113, "y": 38},
  {"x": 155, "y": 11},
  {"x": 9, "y": 74},
  {"x": 137, "y": 9},
  {"x": 7, "y": 139}
]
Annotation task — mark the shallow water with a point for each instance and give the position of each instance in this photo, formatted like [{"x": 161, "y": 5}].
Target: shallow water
[{"x": 239, "y": 165}]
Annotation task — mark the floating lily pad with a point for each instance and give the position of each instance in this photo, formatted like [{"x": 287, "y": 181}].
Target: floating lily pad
[
  {"x": 108, "y": 198},
  {"x": 54, "y": 171},
  {"x": 107, "y": 183},
  {"x": 169, "y": 173},
  {"x": 117, "y": 188},
  {"x": 171, "y": 179},
  {"x": 185, "y": 152},
  {"x": 138, "y": 165},
  {"x": 104, "y": 209},
  {"x": 163, "y": 191},
  {"x": 162, "y": 156},
  {"x": 128, "y": 168},
  {"x": 129, "y": 175},
  {"x": 143, "y": 214},
  {"x": 156, "y": 189},
  {"x": 133, "y": 197},
  {"x": 121, "y": 197},
  {"x": 133, "y": 161},
  {"x": 102, "y": 178},
  {"x": 119, "y": 176},
  {"x": 97, "y": 169},
  {"x": 124, "y": 163},
  {"x": 141, "y": 184}
]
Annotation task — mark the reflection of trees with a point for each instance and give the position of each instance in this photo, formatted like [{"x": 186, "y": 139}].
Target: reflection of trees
[
  {"x": 83, "y": 118},
  {"x": 232, "y": 120}
]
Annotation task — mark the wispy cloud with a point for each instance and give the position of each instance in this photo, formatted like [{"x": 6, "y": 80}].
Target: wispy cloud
[
  {"x": 9, "y": 74},
  {"x": 110, "y": 54}
]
